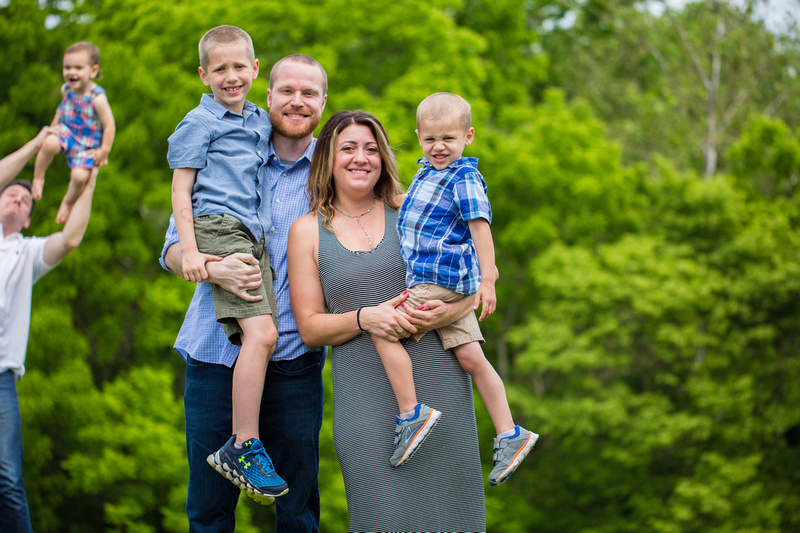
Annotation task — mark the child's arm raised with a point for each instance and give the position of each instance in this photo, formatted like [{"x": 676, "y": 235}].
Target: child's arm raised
[
  {"x": 109, "y": 130},
  {"x": 484, "y": 248},
  {"x": 193, "y": 262}
]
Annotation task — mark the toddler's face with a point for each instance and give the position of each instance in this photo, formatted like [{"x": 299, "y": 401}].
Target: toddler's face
[
  {"x": 230, "y": 73},
  {"x": 443, "y": 142},
  {"x": 78, "y": 70}
]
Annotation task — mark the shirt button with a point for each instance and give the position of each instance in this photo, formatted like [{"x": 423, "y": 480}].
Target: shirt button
[
  {"x": 272, "y": 229},
  {"x": 284, "y": 174}
]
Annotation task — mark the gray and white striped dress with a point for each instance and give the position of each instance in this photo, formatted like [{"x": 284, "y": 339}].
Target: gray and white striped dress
[{"x": 441, "y": 488}]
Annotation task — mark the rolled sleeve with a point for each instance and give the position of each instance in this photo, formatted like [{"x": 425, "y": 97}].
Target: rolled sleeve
[{"x": 169, "y": 239}]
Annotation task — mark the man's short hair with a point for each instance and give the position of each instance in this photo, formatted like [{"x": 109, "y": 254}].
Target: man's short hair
[
  {"x": 21, "y": 183},
  {"x": 448, "y": 107},
  {"x": 224, "y": 36},
  {"x": 305, "y": 60}
]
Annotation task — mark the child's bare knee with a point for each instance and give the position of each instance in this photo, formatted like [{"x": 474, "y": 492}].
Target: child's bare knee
[
  {"x": 80, "y": 175},
  {"x": 51, "y": 145}
]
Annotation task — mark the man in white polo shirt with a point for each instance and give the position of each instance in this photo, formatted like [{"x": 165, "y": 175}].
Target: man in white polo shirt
[{"x": 23, "y": 260}]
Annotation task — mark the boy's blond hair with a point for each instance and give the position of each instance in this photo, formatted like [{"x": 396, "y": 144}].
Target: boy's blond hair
[
  {"x": 445, "y": 107},
  {"x": 223, "y": 36}
]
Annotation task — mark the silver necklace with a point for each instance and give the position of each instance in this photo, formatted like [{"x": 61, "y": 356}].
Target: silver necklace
[{"x": 358, "y": 219}]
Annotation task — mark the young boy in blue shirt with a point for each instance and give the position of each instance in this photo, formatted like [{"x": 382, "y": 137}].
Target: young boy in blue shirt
[
  {"x": 447, "y": 245},
  {"x": 217, "y": 152}
]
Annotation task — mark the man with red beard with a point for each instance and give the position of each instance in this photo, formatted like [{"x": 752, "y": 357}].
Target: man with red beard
[{"x": 291, "y": 406}]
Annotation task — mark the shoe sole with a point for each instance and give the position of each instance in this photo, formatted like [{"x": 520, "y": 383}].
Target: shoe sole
[
  {"x": 420, "y": 436},
  {"x": 257, "y": 495},
  {"x": 521, "y": 454}
]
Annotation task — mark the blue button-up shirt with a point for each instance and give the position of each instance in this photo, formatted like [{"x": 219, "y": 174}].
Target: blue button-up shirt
[
  {"x": 201, "y": 337},
  {"x": 435, "y": 240},
  {"x": 227, "y": 150}
]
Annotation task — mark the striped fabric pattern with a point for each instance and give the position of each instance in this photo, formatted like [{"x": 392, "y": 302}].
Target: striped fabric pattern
[{"x": 441, "y": 487}]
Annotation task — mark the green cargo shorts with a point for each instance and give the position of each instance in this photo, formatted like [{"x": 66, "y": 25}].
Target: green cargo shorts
[{"x": 224, "y": 235}]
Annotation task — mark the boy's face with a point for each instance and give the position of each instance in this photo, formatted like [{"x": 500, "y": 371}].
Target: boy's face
[
  {"x": 443, "y": 142},
  {"x": 230, "y": 73},
  {"x": 78, "y": 70}
]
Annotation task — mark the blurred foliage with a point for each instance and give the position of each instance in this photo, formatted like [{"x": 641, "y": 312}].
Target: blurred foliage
[{"x": 648, "y": 321}]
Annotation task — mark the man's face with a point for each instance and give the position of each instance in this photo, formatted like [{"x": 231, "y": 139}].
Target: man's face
[
  {"x": 15, "y": 208},
  {"x": 296, "y": 101}
]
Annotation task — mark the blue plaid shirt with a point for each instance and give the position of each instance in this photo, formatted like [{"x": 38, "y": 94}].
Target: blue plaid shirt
[
  {"x": 228, "y": 151},
  {"x": 433, "y": 225},
  {"x": 201, "y": 337}
]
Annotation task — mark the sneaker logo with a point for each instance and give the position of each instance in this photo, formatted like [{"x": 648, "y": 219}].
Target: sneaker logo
[
  {"x": 407, "y": 435},
  {"x": 245, "y": 462}
]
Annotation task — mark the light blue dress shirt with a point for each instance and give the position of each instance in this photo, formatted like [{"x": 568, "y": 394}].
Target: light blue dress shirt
[{"x": 201, "y": 337}]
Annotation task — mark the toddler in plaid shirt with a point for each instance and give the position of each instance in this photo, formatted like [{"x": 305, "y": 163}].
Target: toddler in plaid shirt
[
  {"x": 84, "y": 123},
  {"x": 446, "y": 243}
]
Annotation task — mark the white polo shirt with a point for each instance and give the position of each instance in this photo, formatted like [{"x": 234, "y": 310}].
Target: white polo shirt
[{"x": 21, "y": 265}]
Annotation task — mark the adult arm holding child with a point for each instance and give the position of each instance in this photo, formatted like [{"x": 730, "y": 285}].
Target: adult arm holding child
[
  {"x": 12, "y": 164},
  {"x": 236, "y": 273},
  {"x": 62, "y": 243}
]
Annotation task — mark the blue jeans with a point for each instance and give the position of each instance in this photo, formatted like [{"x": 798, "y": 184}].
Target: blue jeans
[
  {"x": 14, "y": 514},
  {"x": 289, "y": 426}
]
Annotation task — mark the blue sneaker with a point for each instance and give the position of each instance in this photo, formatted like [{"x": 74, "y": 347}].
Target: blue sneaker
[
  {"x": 249, "y": 468},
  {"x": 509, "y": 453},
  {"x": 410, "y": 433}
]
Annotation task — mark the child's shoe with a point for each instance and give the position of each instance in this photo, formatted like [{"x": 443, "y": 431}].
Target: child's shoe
[
  {"x": 249, "y": 468},
  {"x": 410, "y": 433},
  {"x": 509, "y": 453}
]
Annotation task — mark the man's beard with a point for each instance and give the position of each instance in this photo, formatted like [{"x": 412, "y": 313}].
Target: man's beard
[{"x": 294, "y": 132}]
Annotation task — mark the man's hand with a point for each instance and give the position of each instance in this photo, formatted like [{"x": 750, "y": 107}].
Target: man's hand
[{"x": 237, "y": 274}]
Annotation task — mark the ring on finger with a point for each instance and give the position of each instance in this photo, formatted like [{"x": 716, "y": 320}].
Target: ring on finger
[{"x": 398, "y": 331}]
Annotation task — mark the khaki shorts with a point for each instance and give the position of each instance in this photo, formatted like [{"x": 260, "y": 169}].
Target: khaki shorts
[
  {"x": 224, "y": 235},
  {"x": 461, "y": 331}
]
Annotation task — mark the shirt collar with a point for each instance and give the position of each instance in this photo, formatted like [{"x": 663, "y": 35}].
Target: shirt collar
[
  {"x": 14, "y": 236},
  {"x": 219, "y": 110},
  {"x": 307, "y": 155}
]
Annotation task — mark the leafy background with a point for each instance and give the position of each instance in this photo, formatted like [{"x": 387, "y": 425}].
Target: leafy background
[{"x": 642, "y": 159}]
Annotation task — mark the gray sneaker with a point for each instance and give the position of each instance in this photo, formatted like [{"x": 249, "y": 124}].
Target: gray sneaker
[
  {"x": 410, "y": 433},
  {"x": 509, "y": 453}
]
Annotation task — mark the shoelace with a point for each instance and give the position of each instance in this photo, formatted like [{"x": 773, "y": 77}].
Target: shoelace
[{"x": 260, "y": 459}]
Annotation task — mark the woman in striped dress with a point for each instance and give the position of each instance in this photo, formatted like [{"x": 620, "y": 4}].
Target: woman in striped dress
[{"x": 345, "y": 275}]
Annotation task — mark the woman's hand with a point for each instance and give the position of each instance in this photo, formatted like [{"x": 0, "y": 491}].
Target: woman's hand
[
  {"x": 436, "y": 313},
  {"x": 387, "y": 320}
]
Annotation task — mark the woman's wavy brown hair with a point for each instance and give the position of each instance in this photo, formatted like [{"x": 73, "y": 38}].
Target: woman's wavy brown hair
[{"x": 321, "y": 190}]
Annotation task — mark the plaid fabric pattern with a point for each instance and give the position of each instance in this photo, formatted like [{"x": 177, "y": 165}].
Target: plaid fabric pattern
[
  {"x": 433, "y": 225},
  {"x": 80, "y": 127},
  {"x": 201, "y": 337}
]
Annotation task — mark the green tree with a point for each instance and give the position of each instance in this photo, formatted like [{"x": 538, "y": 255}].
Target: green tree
[{"x": 677, "y": 82}]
